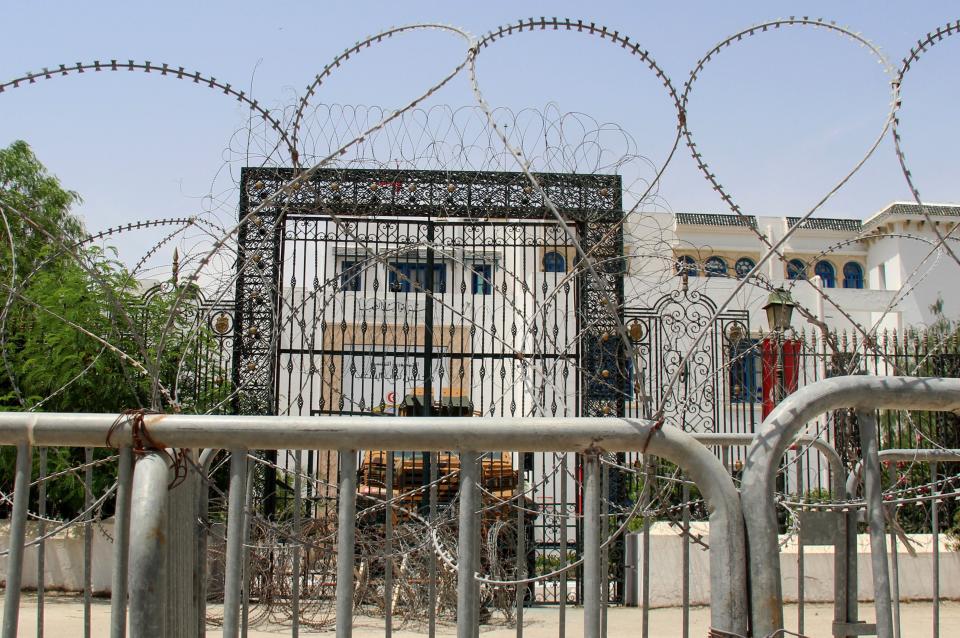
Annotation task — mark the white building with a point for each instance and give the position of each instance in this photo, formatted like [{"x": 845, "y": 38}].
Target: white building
[{"x": 883, "y": 272}]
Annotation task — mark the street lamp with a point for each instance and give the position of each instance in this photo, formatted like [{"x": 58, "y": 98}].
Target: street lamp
[{"x": 779, "y": 310}]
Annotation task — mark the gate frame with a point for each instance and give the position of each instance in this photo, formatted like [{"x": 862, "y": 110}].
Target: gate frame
[{"x": 593, "y": 203}]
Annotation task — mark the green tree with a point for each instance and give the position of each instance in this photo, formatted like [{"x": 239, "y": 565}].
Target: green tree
[{"x": 75, "y": 335}]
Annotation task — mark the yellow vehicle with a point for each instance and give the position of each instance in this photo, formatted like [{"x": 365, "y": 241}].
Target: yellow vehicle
[{"x": 411, "y": 470}]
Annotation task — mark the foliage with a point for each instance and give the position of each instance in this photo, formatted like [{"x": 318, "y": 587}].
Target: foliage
[
  {"x": 26, "y": 187},
  {"x": 77, "y": 336}
]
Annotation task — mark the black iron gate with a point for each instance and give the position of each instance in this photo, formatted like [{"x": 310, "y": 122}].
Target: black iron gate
[{"x": 373, "y": 292}]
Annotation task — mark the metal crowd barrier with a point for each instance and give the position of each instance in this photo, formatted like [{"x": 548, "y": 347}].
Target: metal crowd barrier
[
  {"x": 144, "y": 492},
  {"x": 144, "y": 572}
]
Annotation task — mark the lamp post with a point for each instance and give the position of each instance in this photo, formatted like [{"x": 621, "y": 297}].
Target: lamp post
[{"x": 779, "y": 309}]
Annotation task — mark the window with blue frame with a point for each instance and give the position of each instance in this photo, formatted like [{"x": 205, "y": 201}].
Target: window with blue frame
[
  {"x": 554, "y": 262},
  {"x": 745, "y": 371},
  {"x": 852, "y": 275},
  {"x": 715, "y": 267},
  {"x": 827, "y": 274},
  {"x": 351, "y": 275},
  {"x": 413, "y": 277},
  {"x": 687, "y": 264},
  {"x": 796, "y": 269},
  {"x": 743, "y": 266},
  {"x": 481, "y": 279}
]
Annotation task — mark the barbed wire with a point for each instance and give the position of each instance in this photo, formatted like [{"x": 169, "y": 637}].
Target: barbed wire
[{"x": 312, "y": 137}]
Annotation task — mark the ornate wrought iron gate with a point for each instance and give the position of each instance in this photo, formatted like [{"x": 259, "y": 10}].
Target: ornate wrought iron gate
[{"x": 364, "y": 292}]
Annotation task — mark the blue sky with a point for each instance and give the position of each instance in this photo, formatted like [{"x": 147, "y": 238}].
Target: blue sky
[{"x": 780, "y": 118}]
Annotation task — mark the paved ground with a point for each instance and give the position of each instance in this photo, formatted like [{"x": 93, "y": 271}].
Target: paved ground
[{"x": 64, "y": 619}]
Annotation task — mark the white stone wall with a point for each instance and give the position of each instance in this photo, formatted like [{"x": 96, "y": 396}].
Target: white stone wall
[{"x": 666, "y": 560}]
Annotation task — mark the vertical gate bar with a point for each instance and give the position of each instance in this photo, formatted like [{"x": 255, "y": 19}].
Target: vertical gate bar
[
  {"x": 18, "y": 531},
  {"x": 432, "y": 584},
  {"x": 121, "y": 545},
  {"x": 297, "y": 534},
  {"x": 388, "y": 550},
  {"x": 521, "y": 546},
  {"x": 467, "y": 545},
  {"x": 800, "y": 558},
  {"x": 87, "y": 537},
  {"x": 935, "y": 528},
  {"x": 685, "y": 497},
  {"x": 346, "y": 538},
  {"x": 591, "y": 546},
  {"x": 235, "y": 536},
  {"x": 605, "y": 548},
  {"x": 895, "y": 566},
  {"x": 562, "y": 522},
  {"x": 42, "y": 545},
  {"x": 877, "y": 523}
]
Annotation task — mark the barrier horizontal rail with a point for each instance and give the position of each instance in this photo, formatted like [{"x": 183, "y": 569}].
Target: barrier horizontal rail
[{"x": 589, "y": 436}]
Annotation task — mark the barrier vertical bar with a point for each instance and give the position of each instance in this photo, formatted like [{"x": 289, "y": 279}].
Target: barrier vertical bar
[
  {"x": 346, "y": 538},
  {"x": 388, "y": 550},
  {"x": 873, "y": 492},
  {"x": 605, "y": 549},
  {"x": 645, "y": 568},
  {"x": 685, "y": 497},
  {"x": 521, "y": 546},
  {"x": 432, "y": 562},
  {"x": 800, "y": 558},
  {"x": 468, "y": 545},
  {"x": 42, "y": 544},
  {"x": 298, "y": 534},
  {"x": 121, "y": 545},
  {"x": 591, "y": 545},
  {"x": 87, "y": 538},
  {"x": 18, "y": 530},
  {"x": 235, "y": 533},
  {"x": 935, "y": 528},
  {"x": 562, "y": 620},
  {"x": 246, "y": 576},
  {"x": 895, "y": 566}
]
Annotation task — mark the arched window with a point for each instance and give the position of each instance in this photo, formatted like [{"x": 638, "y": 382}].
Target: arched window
[
  {"x": 715, "y": 267},
  {"x": 796, "y": 269},
  {"x": 743, "y": 266},
  {"x": 554, "y": 262},
  {"x": 852, "y": 275},
  {"x": 687, "y": 264},
  {"x": 827, "y": 274}
]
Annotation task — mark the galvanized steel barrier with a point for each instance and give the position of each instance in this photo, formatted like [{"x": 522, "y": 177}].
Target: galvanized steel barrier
[
  {"x": 585, "y": 435},
  {"x": 140, "y": 547}
]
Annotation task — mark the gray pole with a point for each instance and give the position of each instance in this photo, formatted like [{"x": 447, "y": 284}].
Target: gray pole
[
  {"x": 18, "y": 531},
  {"x": 87, "y": 539},
  {"x": 346, "y": 539},
  {"x": 233, "y": 569},
  {"x": 935, "y": 528},
  {"x": 148, "y": 515},
  {"x": 591, "y": 545},
  {"x": 121, "y": 546},
  {"x": 41, "y": 532},
  {"x": 468, "y": 545},
  {"x": 873, "y": 491}
]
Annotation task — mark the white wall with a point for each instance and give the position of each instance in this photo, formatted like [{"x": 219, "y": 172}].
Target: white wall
[{"x": 915, "y": 571}]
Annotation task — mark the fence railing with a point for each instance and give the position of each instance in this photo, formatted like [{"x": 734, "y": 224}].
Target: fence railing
[{"x": 154, "y": 532}]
